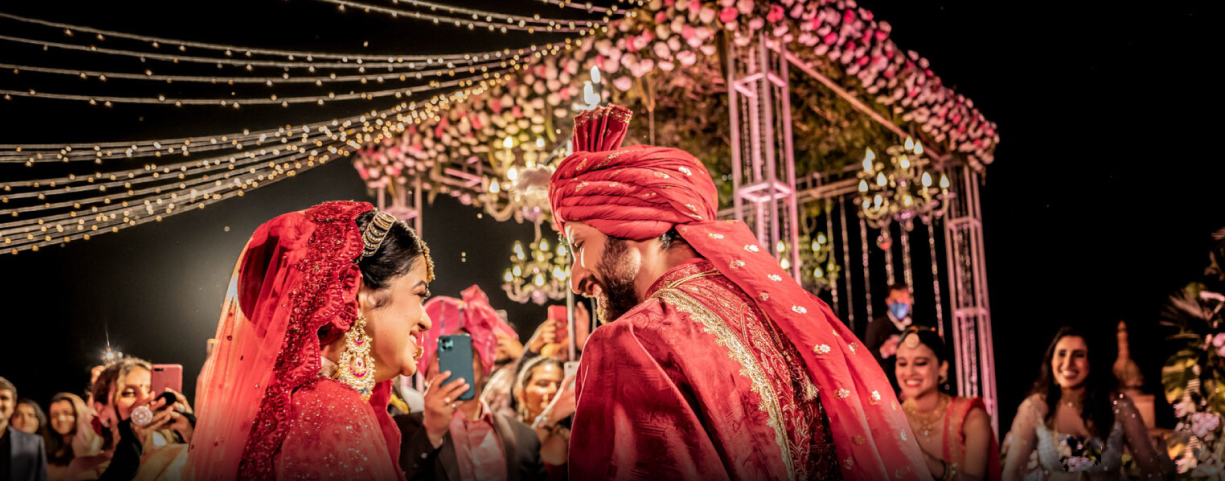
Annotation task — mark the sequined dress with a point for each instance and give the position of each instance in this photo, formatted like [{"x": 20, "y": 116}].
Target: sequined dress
[{"x": 1034, "y": 454}]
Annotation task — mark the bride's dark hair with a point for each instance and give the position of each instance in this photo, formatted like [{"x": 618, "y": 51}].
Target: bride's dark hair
[
  {"x": 1097, "y": 410},
  {"x": 397, "y": 255}
]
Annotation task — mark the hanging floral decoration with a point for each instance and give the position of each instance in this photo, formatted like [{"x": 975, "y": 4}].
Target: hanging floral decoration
[{"x": 655, "y": 56}]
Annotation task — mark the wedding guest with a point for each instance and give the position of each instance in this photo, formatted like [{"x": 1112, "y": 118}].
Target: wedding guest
[
  {"x": 29, "y": 417},
  {"x": 22, "y": 455},
  {"x": 465, "y": 440},
  {"x": 538, "y": 385},
  {"x": 884, "y": 332},
  {"x": 70, "y": 435},
  {"x": 1075, "y": 401},
  {"x": 118, "y": 392},
  {"x": 954, "y": 433},
  {"x": 497, "y": 392}
]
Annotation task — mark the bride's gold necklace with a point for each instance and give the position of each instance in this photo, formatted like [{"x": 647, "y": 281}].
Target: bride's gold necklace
[{"x": 926, "y": 421}]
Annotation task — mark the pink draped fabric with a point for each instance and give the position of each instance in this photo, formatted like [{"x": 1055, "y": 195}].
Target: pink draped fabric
[
  {"x": 295, "y": 277},
  {"x": 641, "y": 192}
]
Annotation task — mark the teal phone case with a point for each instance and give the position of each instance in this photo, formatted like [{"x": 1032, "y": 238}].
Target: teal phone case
[{"x": 455, "y": 355}]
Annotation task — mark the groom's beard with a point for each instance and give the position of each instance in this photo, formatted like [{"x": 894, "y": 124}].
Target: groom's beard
[{"x": 615, "y": 276}]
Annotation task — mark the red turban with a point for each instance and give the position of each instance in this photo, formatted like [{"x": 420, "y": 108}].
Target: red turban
[{"x": 640, "y": 192}]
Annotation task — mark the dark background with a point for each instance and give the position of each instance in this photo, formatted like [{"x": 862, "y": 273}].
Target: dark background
[{"x": 1105, "y": 187}]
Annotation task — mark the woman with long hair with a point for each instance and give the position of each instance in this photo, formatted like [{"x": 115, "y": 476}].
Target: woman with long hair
[
  {"x": 1075, "y": 422},
  {"x": 324, "y": 309},
  {"x": 953, "y": 432},
  {"x": 71, "y": 433},
  {"x": 540, "y": 381},
  {"x": 120, "y": 390},
  {"x": 28, "y": 417}
]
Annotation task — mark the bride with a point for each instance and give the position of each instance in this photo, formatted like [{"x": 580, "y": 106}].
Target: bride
[{"x": 323, "y": 311}]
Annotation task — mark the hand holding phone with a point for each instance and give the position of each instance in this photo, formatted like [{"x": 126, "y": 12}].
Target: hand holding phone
[{"x": 455, "y": 355}]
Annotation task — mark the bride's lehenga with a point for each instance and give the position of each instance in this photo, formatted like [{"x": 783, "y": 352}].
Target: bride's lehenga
[
  {"x": 1034, "y": 454},
  {"x": 266, "y": 412}
]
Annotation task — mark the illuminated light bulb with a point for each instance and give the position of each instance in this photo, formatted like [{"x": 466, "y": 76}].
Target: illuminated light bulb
[
  {"x": 907, "y": 200},
  {"x": 876, "y": 201},
  {"x": 544, "y": 245},
  {"x": 909, "y": 143},
  {"x": 818, "y": 273},
  {"x": 538, "y": 280},
  {"x": 561, "y": 250},
  {"x": 905, "y": 162},
  {"x": 821, "y": 238},
  {"x": 780, "y": 246},
  {"x": 509, "y": 142},
  {"x": 944, "y": 182},
  {"x": 863, "y": 186},
  {"x": 815, "y": 246},
  {"x": 785, "y": 264},
  {"x": 595, "y": 74},
  {"x": 866, "y": 204},
  {"x": 494, "y": 188},
  {"x": 927, "y": 179},
  {"x": 539, "y": 142},
  {"x": 518, "y": 271},
  {"x": 868, "y": 158},
  {"x": 918, "y": 148},
  {"x": 518, "y": 249},
  {"x": 508, "y": 277},
  {"x": 881, "y": 180},
  {"x": 558, "y": 273},
  {"x": 512, "y": 174}
]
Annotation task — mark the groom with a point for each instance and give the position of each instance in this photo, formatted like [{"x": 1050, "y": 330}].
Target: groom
[{"x": 715, "y": 363}]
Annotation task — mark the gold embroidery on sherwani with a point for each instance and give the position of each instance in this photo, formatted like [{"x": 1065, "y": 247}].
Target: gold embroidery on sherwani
[{"x": 750, "y": 367}]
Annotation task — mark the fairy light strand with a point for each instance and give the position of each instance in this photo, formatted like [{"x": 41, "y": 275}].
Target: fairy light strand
[
  {"x": 238, "y": 102},
  {"x": 32, "y": 155},
  {"x": 390, "y": 66},
  {"x": 269, "y": 81},
  {"x": 245, "y": 51},
  {"x": 566, "y": 26}
]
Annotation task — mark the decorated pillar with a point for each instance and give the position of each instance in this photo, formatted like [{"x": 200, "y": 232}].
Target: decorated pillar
[{"x": 763, "y": 164}]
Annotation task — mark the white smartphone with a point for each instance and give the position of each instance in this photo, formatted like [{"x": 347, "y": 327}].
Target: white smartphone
[{"x": 570, "y": 368}]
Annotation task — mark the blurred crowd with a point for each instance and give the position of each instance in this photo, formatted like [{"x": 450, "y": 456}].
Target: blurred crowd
[{"x": 1077, "y": 423}]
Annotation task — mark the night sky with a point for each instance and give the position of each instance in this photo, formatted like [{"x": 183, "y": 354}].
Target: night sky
[{"x": 1105, "y": 187}]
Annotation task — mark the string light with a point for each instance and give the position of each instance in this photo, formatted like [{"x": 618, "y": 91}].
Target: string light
[
  {"x": 489, "y": 16},
  {"x": 549, "y": 25},
  {"x": 283, "y": 79},
  {"x": 390, "y": 66},
  {"x": 237, "y": 102},
  {"x": 248, "y": 51}
]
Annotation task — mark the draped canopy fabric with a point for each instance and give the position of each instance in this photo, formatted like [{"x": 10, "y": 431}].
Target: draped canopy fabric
[{"x": 641, "y": 192}]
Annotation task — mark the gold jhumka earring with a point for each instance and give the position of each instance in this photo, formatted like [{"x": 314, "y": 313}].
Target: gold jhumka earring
[{"x": 356, "y": 364}]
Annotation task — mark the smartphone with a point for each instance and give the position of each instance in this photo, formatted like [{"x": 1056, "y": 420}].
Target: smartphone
[
  {"x": 166, "y": 376},
  {"x": 455, "y": 355},
  {"x": 570, "y": 368}
]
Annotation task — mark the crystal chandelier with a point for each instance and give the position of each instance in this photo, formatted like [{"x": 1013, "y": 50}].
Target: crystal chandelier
[
  {"x": 900, "y": 190},
  {"x": 538, "y": 273},
  {"x": 519, "y": 189}
]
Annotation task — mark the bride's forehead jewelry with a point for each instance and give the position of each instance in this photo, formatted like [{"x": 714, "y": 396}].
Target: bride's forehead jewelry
[{"x": 375, "y": 232}]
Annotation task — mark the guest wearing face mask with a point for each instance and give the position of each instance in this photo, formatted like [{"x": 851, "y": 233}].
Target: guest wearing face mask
[{"x": 885, "y": 332}]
